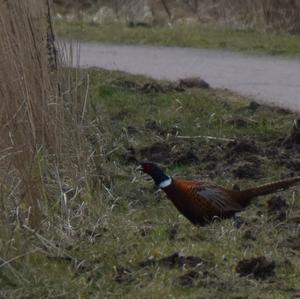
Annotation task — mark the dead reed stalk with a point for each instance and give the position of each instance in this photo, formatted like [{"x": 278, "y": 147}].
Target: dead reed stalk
[
  {"x": 38, "y": 111},
  {"x": 252, "y": 14}
]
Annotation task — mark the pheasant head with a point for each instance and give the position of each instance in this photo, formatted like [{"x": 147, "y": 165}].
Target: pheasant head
[{"x": 161, "y": 180}]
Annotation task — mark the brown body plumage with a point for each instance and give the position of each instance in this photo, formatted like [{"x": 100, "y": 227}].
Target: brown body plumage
[{"x": 201, "y": 202}]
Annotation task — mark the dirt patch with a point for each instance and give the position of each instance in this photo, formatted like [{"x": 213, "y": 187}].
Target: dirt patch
[
  {"x": 249, "y": 235},
  {"x": 294, "y": 136},
  {"x": 123, "y": 275},
  {"x": 126, "y": 84},
  {"x": 290, "y": 163},
  {"x": 240, "y": 122},
  {"x": 147, "y": 87},
  {"x": 258, "y": 267},
  {"x": 130, "y": 156},
  {"x": 210, "y": 165},
  {"x": 284, "y": 154},
  {"x": 146, "y": 230},
  {"x": 292, "y": 243},
  {"x": 243, "y": 146},
  {"x": 95, "y": 234},
  {"x": 193, "y": 82},
  {"x": 282, "y": 151},
  {"x": 167, "y": 153},
  {"x": 294, "y": 220},
  {"x": 172, "y": 231},
  {"x": 292, "y": 224},
  {"x": 80, "y": 266},
  {"x": 154, "y": 126},
  {"x": 242, "y": 159},
  {"x": 119, "y": 116},
  {"x": 245, "y": 156},
  {"x": 247, "y": 170},
  {"x": 180, "y": 261},
  {"x": 187, "y": 157},
  {"x": 175, "y": 260},
  {"x": 152, "y": 88},
  {"x": 157, "y": 152},
  {"x": 253, "y": 106},
  {"x": 132, "y": 130},
  {"x": 193, "y": 278},
  {"x": 239, "y": 221},
  {"x": 283, "y": 110},
  {"x": 278, "y": 207}
]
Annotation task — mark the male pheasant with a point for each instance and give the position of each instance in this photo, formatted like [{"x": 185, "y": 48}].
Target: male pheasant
[{"x": 201, "y": 202}]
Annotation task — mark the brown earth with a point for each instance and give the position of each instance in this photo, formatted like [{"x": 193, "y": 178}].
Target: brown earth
[{"x": 259, "y": 267}]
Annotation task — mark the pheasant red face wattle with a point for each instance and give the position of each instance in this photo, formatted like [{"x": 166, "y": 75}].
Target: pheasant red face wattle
[{"x": 147, "y": 167}]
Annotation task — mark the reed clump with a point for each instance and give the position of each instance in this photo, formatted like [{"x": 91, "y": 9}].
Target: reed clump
[{"x": 43, "y": 147}]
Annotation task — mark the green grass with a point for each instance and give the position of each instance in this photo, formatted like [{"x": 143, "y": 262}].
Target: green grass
[
  {"x": 123, "y": 221},
  {"x": 198, "y": 36}
]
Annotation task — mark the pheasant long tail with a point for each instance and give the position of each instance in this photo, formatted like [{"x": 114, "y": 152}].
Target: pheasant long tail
[{"x": 271, "y": 187}]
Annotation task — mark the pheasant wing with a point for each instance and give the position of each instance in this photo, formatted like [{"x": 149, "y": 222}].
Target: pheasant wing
[{"x": 218, "y": 197}]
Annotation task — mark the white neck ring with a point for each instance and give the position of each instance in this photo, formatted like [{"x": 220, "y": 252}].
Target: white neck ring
[{"x": 165, "y": 183}]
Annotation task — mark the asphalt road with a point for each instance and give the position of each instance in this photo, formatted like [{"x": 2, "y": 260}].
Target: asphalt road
[{"x": 268, "y": 79}]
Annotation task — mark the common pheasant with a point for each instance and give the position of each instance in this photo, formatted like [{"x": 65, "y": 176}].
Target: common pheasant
[{"x": 201, "y": 202}]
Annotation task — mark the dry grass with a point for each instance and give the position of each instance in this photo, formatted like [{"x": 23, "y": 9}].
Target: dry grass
[
  {"x": 258, "y": 14},
  {"x": 266, "y": 14},
  {"x": 40, "y": 115}
]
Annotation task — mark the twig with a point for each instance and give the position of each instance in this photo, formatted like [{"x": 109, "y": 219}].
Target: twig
[
  {"x": 163, "y": 2},
  {"x": 8, "y": 264},
  {"x": 85, "y": 97},
  {"x": 51, "y": 36},
  {"x": 206, "y": 137}
]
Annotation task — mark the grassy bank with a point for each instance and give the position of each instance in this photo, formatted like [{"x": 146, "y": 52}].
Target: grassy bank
[
  {"x": 78, "y": 220},
  {"x": 185, "y": 36},
  {"x": 121, "y": 239}
]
